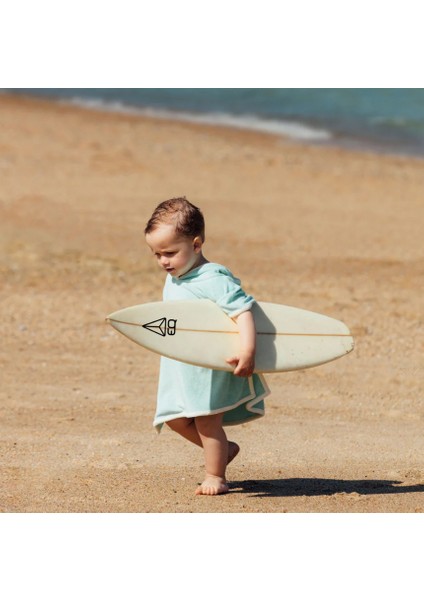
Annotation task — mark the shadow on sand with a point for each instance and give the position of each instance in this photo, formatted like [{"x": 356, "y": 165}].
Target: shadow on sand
[{"x": 274, "y": 488}]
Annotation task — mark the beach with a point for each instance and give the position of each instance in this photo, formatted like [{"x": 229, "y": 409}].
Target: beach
[{"x": 332, "y": 230}]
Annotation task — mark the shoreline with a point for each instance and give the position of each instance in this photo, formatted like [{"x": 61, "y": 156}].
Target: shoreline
[{"x": 303, "y": 133}]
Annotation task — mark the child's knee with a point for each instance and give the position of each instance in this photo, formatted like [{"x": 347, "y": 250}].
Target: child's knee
[
  {"x": 179, "y": 424},
  {"x": 208, "y": 423}
]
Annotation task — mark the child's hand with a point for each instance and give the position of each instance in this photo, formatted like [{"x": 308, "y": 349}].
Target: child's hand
[{"x": 244, "y": 364}]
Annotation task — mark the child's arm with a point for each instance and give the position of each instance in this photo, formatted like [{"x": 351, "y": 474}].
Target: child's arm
[{"x": 245, "y": 361}]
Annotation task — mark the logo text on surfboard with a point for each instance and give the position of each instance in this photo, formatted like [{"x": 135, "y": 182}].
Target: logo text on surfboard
[{"x": 162, "y": 326}]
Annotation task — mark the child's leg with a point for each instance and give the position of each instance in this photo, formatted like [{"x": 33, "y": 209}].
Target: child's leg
[
  {"x": 187, "y": 429},
  {"x": 215, "y": 446}
]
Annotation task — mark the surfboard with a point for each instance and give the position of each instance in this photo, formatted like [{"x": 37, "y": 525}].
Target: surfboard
[{"x": 198, "y": 332}]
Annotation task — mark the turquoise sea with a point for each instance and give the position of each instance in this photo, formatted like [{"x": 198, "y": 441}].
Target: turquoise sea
[{"x": 385, "y": 120}]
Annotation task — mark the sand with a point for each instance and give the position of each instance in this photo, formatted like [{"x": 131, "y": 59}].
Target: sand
[{"x": 327, "y": 229}]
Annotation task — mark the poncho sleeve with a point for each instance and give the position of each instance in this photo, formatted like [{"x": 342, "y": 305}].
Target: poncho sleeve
[{"x": 225, "y": 290}]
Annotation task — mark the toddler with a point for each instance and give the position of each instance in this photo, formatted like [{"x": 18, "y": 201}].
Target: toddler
[{"x": 197, "y": 402}]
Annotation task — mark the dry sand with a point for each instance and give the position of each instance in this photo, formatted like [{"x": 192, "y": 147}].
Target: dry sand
[{"x": 331, "y": 230}]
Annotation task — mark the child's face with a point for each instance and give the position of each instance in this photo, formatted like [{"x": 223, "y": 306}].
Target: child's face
[{"x": 175, "y": 254}]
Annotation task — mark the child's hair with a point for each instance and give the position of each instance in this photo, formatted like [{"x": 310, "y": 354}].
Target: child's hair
[{"x": 186, "y": 217}]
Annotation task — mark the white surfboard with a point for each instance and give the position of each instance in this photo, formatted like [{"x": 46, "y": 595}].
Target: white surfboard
[{"x": 200, "y": 333}]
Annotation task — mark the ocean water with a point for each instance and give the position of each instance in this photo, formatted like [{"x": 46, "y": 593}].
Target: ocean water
[{"x": 385, "y": 120}]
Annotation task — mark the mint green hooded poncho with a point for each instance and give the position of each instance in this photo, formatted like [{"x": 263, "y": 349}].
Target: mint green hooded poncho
[{"x": 189, "y": 391}]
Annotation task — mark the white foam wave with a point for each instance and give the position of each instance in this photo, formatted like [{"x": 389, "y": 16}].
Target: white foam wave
[{"x": 290, "y": 129}]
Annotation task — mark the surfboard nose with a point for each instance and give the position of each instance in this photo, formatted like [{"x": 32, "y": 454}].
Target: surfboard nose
[{"x": 112, "y": 316}]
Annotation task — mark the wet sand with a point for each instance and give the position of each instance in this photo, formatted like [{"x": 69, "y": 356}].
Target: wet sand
[{"x": 331, "y": 230}]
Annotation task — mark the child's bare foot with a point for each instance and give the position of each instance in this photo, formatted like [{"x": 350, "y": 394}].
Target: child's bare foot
[
  {"x": 212, "y": 486},
  {"x": 233, "y": 450}
]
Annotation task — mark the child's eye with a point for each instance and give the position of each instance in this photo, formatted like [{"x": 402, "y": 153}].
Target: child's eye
[{"x": 167, "y": 254}]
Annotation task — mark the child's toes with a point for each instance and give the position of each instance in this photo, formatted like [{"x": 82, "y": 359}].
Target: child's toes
[{"x": 212, "y": 486}]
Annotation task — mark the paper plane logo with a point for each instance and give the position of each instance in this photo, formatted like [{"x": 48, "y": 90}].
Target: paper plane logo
[
  {"x": 162, "y": 327},
  {"x": 158, "y": 326}
]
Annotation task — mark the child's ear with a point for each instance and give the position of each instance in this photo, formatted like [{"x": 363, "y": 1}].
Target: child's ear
[{"x": 197, "y": 244}]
